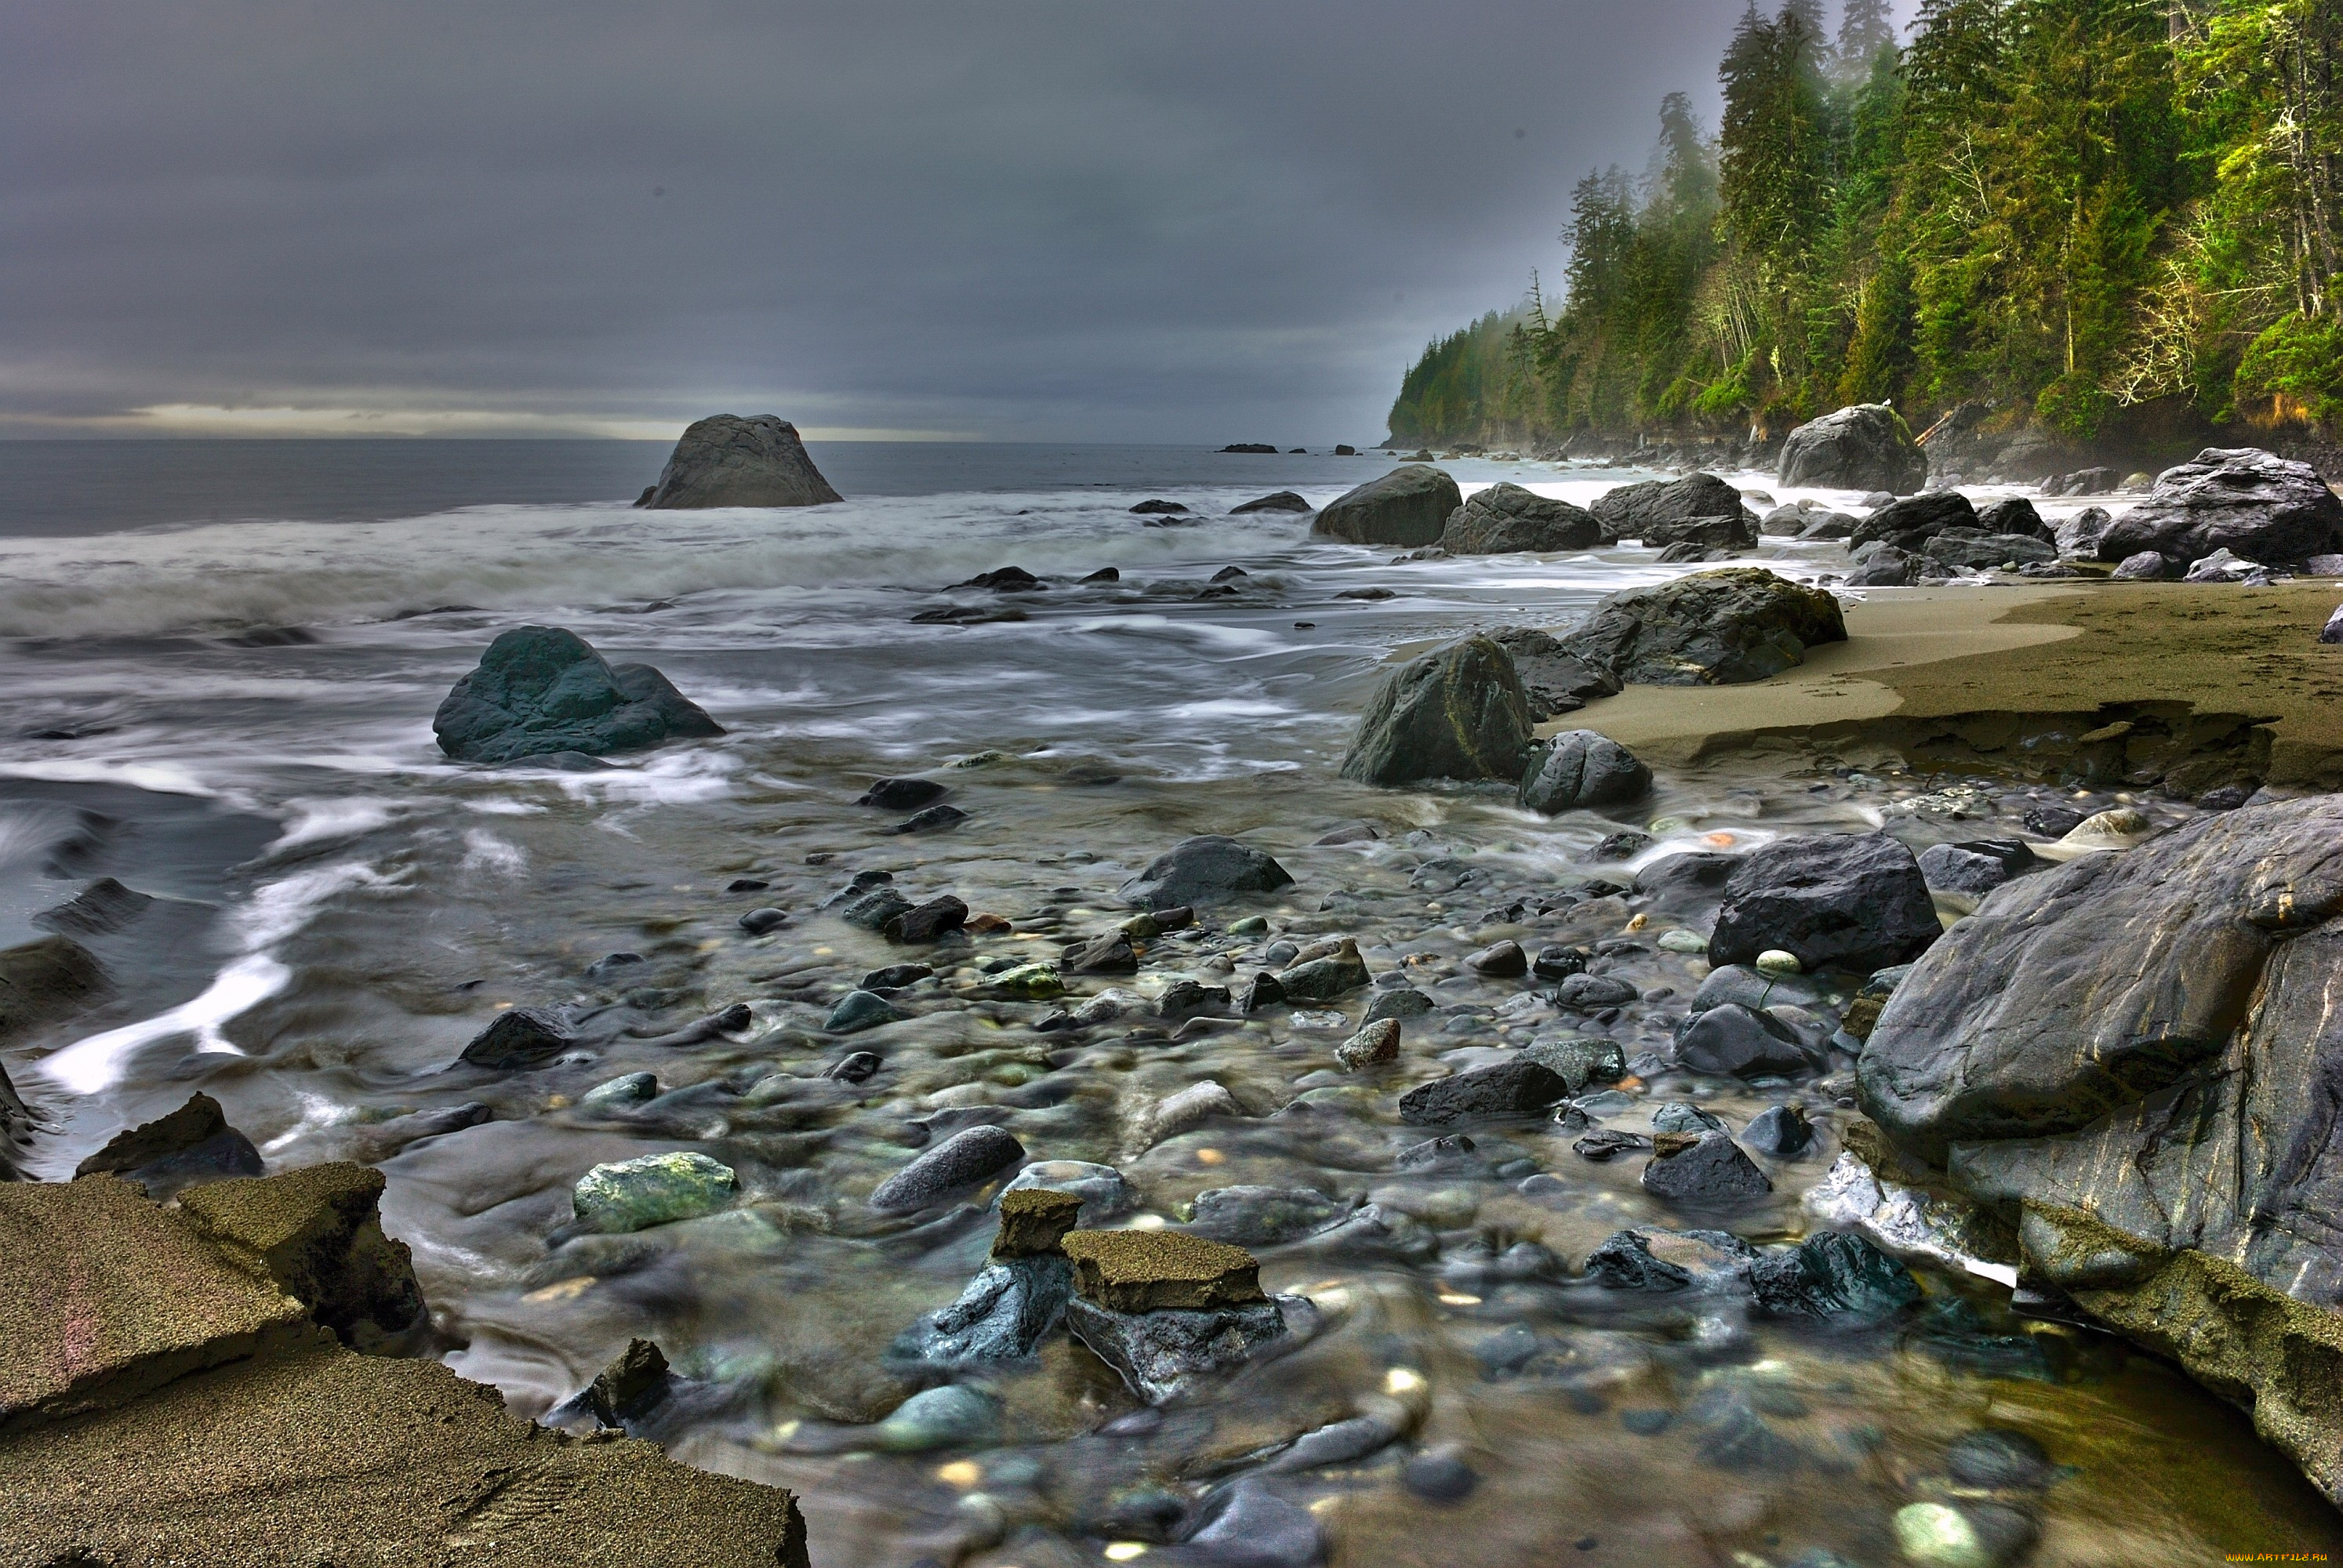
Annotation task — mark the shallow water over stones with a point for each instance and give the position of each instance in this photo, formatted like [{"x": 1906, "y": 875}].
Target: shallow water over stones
[{"x": 1464, "y": 1391}]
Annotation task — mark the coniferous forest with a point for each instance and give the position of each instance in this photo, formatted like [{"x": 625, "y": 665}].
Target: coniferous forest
[{"x": 2119, "y": 222}]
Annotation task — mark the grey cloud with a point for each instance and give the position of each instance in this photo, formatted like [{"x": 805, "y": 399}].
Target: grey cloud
[{"x": 1074, "y": 221}]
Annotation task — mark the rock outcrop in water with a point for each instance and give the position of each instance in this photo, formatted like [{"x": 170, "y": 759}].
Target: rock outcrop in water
[
  {"x": 167, "y": 1393},
  {"x": 1852, "y": 900},
  {"x": 1582, "y": 767},
  {"x": 1506, "y": 519},
  {"x": 2135, "y": 1059},
  {"x": 1864, "y": 447},
  {"x": 542, "y": 691},
  {"x": 2249, "y": 502},
  {"x": 1457, "y": 712},
  {"x": 727, "y": 460},
  {"x": 1710, "y": 628},
  {"x": 1408, "y": 507}
]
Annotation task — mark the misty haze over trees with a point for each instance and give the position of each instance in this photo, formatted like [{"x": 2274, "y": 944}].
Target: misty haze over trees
[{"x": 2116, "y": 218}]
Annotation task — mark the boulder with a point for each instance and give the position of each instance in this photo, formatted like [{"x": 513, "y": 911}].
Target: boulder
[
  {"x": 2133, "y": 1057},
  {"x": 1517, "y": 1088},
  {"x": 1505, "y": 519},
  {"x": 2077, "y": 538},
  {"x": 2014, "y": 515},
  {"x": 1581, "y": 767},
  {"x": 1845, "y": 899},
  {"x": 1710, "y": 628},
  {"x": 2252, "y": 503},
  {"x": 1974, "y": 549},
  {"x": 728, "y": 462},
  {"x": 1865, "y": 447},
  {"x": 519, "y": 1037},
  {"x": 540, "y": 689},
  {"x": 1277, "y": 501},
  {"x": 44, "y": 981},
  {"x": 193, "y": 1143},
  {"x": 1552, "y": 679},
  {"x": 1886, "y": 567},
  {"x": 1408, "y": 507},
  {"x": 1209, "y": 869},
  {"x": 1457, "y": 712},
  {"x": 1731, "y": 1040},
  {"x": 1699, "y": 508},
  {"x": 1976, "y": 867},
  {"x": 1913, "y": 521},
  {"x": 1832, "y": 1277},
  {"x": 2142, "y": 566}
]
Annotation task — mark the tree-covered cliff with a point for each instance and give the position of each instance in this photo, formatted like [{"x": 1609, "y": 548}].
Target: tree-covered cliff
[{"x": 2105, "y": 217}]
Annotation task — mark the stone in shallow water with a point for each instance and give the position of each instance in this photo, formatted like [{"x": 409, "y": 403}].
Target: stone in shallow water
[
  {"x": 1247, "y": 1525},
  {"x": 1657, "y": 1259},
  {"x": 971, "y": 1156},
  {"x": 1163, "y": 1353},
  {"x": 519, "y": 1037},
  {"x": 1781, "y": 1131},
  {"x": 1579, "y": 1060},
  {"x": 2000, "y": 1459},
  {"x": 861, "y": 1010},
  {"x": 1712, "y": 1170},
  {"x": 1375, "y": 1044},
  {"x": 1518, "y": 1087},
  {"x": 1834, "y": 1276},
  {"x": 1153, "y": 1271},
  {"x": 1735, "y": 1041},
  {"x": 1209, "y": 868},
  {"x": 192, "y": 1144},
  {"x": 1338, "y": 973},
  {"x": 1259, "y": 1216},
  {"x": 1003, "y": 1314},
  {"x": 1102, "y": 1189},
  {"x": 1405, "y": 1001},
  {"x": 949, "y": 1417},
  {"x": 652, "y": 1190},
  {"x": 540, "y": 689}
]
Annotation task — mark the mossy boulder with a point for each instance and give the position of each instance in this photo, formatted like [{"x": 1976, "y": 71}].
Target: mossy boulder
[
  {"x": 1458, "y": 712},
  {"x": 540, "y": 690}
]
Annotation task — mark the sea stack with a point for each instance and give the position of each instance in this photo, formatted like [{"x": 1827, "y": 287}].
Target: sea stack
[{"x": 726, "y": 460}]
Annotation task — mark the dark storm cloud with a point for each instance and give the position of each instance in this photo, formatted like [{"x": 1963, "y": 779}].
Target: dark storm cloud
[{"x": 1191, "y": 222}]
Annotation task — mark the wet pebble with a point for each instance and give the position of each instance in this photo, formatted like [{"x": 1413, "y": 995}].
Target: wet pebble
[
  {"x": 616, "y": 1093},
  {"x": 756, "y": 922},
  {"x": 1500, "y": 960},
  {"x": 861, "y": 1010},
  {"x": 1439, "y": 1475},
  {"x": 1103, "y": 1189},
  {"x": 962, "y": 1161},
  {"x": 1372, "y": 1046},
  {"x": 1780, "y": 1130},
  {"x": 948, "y": 1417}
]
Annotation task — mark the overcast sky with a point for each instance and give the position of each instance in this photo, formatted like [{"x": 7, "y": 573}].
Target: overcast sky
[{"x": 1075, "y": 221}]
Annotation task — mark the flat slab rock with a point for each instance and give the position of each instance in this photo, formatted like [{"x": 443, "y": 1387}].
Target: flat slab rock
[{"x": 1154, "y": 1270}]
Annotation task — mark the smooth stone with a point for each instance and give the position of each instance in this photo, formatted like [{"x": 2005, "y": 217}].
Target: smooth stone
[
  {"x": 870, "y": 910},
  {"x": 894, "y": 977},
  {"x": 1834, "y": 1276},
  {"x": 1246, "y": 1525},
  {"x": 1325, "y": 978},
  {"x": 902, "y": 794},
  {"x": 2001, "y": 1460},
  {"x": 2266, "y": 508},
  {"x": 1557, "y": 962},
  {"x": 1777, "y": 962},
  {"x": 519, "y": 1037},
  {"x": 1103, "y": 1189},
  {"x": 952, "y": 1416},
  {"x": 1589, "y": 993},
  {"x": 1846, "y": 899},
  {"x": 1516, "y": 1087},
  {"x": 756, "y": 922},
  {"x": 1439, "y": 1475},
  {"x": 927, "y": 923},
  {"x": 1036, "y": 979},
  {"x": 1733, "y": 1041},
  {"x": 1578, "y": 1060},
  {"x": 1110, "y": 954},
  {"x": 1581, "y": 767},
  {"x": 1712, "y": 1170},
  {"x": 934, "y": 820},
  {"x": 1652, "y": 1259},
  {"x": 1402, "y": 1001},
  {"x": 1276, "y": 501},
  {"x": 971, "y": 1156},
  {"x": 1261, "y": 1216},
  {"x": 861, "y": 1010},
  {"x": 1500, "y": 960},
  {"x": 1676, "y": 1116},
  {"x": 626, "y": 1195},
  {"x": 1209, "y": 869},
  {"x": 617, "y": 1093},
  {"x": 1185, "y": 999},
  {"x": 1780, "y": 1130},
  {"x": 1167, "y": 1352}
]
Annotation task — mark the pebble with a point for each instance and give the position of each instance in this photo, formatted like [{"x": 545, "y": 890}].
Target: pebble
[
  {"x": 652, "y": 1190},
  {"x": 952, "y": 1416},
  {"x": 629, "y": 1088},
  {"x": 895, "y": 976},
  {"x": 858, "y": 1067},
  {"x": 1439, "y": 1475},
  {"x": 519, "y": 1037},
  {"x": 1587, "y": 994},
  {"x": 1516, "y": 1087},
  {"x": 902, "y": 794},
  {"x": 1399, "y": 1001},
  {"x": 1559, "y": 963},
  {"x": 1680, "y": 940},
  {"x": 756, "y": 922},
  {"x": 1778, "y": 961},
  {"x": 1034, "y": 980},
  {"x": 934, "y": 820},
  {"x": 1780, "y": 1130},
  {"x": 962, "y": 1161},
  {"x": 2000, "y": 1459},
  {"x": 1500, "y": 960},
  {"x": 1712, "y": 1170},
  {"x": 1248, "y": 1525}
]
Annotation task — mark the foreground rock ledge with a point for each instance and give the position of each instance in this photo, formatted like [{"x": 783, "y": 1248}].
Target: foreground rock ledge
[
  {"x": 161, "y": 1405},
  {"x": 2134, "y": 1061}
]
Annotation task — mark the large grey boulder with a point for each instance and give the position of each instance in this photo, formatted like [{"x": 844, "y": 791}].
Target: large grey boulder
[
  {"x": 2252, "y": 503},
  {"x": 1408, "y": 507},
  {"x": 1699, "y": 508},
  {"x": 1912, "y": 521},
  {"x": 1582, "y": 767},
  {"x": 540, "y": 690},
  {"x": 1973, "y": 549},
  {"x": 1710, "y": 628},
  {"x": 1209, "y": 869},
  {"x": 2078, "y": 536},
  {"x": 726, "y": 460},
  {"x": 2136, "y": 1058},
  {"x": 1457, "y": 712},
  {"x": 1505, "y": 519},
  {"x": 1865, "y": 447},
  {"x": 1850, "y": 901}
]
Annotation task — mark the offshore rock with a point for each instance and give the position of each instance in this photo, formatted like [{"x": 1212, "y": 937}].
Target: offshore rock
[
  {"x": 1710, "y": 628},
  {"x": 1864, "y": 446},
  {"x": 540, "y": 689},
  {"x": 1582, "y": 767},
  {"x": 2252, "y": 503},
  {"x": 1457, "y": 712},
  {"x": 726, "y": 460},
  {"x": 2132, "y": 1056},
  {"x": 1855, "y": 900},
  {"x": 1408, "y": 507},
  {"x": 1506, "y": 519}
]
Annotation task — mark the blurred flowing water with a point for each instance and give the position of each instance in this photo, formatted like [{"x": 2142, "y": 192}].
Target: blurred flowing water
[{"x": 217, "y": 671}]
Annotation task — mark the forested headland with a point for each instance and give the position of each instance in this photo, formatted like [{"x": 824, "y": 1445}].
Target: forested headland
[{"x": 2115, "y": 223}]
